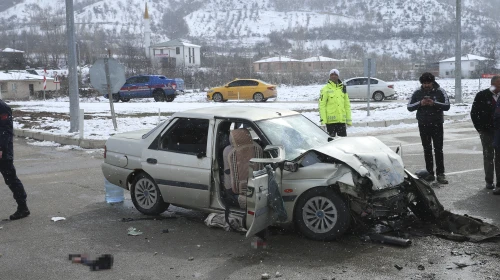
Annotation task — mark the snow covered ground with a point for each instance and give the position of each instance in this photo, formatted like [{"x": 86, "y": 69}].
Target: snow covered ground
[{"x": 145, "y": 113}]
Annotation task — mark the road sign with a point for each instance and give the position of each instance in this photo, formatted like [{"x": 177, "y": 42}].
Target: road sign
[
  {"x": 98, "y": 76},
  {"x": 56, "y": 79},
  {"x": 373, "y": 67}
]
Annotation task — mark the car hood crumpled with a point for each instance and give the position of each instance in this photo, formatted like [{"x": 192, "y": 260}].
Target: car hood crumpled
[{"x": 369, "y": 157}]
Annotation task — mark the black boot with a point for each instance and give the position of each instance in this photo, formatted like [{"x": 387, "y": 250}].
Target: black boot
[{"x": 22, "y": 211}]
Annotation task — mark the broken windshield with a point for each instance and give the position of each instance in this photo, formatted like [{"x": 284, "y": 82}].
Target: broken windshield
[{"x": 296, "y": 134}]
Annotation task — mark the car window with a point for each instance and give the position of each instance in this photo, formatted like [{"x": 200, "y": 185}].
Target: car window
[
  {"x": 187, "y": 136},
  {"x": 373, "y": 82},
  {"x": 131, "y": 80},
  {"x": 142, "y": 79},
  {"x": 251, "y": 83},
  {"x": 235, "y": 83},
  {"x": 350, "y": 82}
]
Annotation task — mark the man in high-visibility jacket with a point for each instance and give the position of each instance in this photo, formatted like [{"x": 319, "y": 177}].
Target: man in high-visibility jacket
[{"x": 334, "y": 106}]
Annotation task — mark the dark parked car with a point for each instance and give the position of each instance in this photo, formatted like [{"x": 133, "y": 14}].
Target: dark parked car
[{"x": 158, "y": 87}]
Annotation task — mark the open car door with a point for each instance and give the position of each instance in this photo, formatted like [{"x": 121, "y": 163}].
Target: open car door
[{"x": 259, "y": 214}]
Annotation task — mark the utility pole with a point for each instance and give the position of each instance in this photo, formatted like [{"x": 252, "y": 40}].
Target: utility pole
[
  {"x": 458, "y": 55},
  {"x": 74, "y": 106}
]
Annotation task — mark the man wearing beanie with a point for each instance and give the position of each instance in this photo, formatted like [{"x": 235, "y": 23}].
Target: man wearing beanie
[
  {"x": 430, "y": 101},
  {"x": 334, "y": 106}
]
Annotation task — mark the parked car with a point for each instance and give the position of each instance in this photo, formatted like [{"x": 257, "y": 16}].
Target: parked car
[
  {"x": 324, "y": 183},
  {"x": 357, "y": 88},
  {"x": 243, "y": 89},
  {"x": 158, "y": 87}
]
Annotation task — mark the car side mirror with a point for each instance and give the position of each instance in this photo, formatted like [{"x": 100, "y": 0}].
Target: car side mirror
[
  {"x": 330, "y": 139},
  {"x": 291, "y": 166}
]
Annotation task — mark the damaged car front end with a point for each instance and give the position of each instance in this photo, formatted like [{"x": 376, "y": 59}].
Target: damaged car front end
[{"x": 371, "y": 181}]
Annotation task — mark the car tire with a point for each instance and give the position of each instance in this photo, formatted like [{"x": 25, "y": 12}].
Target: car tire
[
  {"x": 217, "y": 97},
  {"x": 378, "y": 96},
  {"x": 125, "y": 99},
  {"x": 321, "y": 214},
  {"x": 170, "y": 98},
  {"x": 116, "y": 97},
  {"x": 158, "y": 95},
  {"x": 258, "y": 97},
  {"x": 146, "y": 196}
]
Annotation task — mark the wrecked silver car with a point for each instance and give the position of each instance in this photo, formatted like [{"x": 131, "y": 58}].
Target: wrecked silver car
[{"x": 221, "y": 159}]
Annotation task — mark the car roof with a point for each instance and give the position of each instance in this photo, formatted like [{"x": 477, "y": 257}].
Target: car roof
[
  {"x": 239, "y": 112},
  {"x": 365, "y": 78}
]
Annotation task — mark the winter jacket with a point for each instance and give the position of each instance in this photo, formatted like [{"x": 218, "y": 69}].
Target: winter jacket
[
  {"x": 334, "y": 104},
  {"x": 482, "y": 110},
  {"x": 432, "y": 113},
  {"x": 496, "y": 125},
  {"x": 6, "y": 132}
]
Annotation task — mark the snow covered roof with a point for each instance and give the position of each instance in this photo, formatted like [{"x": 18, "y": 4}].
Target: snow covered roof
[
  {"x": 467, "y": 57},
  {"x": 10, "y": 50},
  {"x": 320, "y": 58},
  {"x": 277, "y": 59},
  {"x": 20, "y": 75},
  {"x": 174, "y": 43}
]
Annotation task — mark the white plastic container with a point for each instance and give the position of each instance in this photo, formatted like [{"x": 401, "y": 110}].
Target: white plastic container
[{"x": 114, "y": 193}]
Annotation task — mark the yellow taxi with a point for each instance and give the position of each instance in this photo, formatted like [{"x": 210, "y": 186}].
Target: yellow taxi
[{"x": 243, "y": 89}]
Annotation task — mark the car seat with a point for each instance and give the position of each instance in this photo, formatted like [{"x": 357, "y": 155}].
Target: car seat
[{"x": 236, "y": 162}]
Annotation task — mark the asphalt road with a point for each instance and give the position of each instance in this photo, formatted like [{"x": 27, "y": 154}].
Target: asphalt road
[{"x": 70, "y": 184}]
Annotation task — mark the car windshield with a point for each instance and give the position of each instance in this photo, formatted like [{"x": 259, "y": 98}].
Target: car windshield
[{"x": 296, "y": 134}]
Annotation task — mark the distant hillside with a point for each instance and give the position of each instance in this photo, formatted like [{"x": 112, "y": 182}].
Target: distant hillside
[{"x": 400, "y": 28}]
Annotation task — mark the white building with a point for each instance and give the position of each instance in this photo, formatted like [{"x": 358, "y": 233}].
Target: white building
[
  {"x": 472, "y": 65},
  {"x": 177, "y": 53},
  {"x": 20, "y": 85}
]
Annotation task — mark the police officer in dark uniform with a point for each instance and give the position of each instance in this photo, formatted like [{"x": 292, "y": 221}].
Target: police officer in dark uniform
[
  {"x": 430, "y": 100},
  {"x": 7, "y": 162}
]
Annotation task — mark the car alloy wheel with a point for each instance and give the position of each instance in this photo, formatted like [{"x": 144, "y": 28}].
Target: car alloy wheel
[
  {"x": 146, "y": 196},
  {"x": 258, "y": 97},
  {"x": 125, "y": 99},
  {"x": 378, "y": 96},
  {"x": 158, "y": 96},
  {"x": 321, "y": 214},
  {"x": 217, "y": 97}
]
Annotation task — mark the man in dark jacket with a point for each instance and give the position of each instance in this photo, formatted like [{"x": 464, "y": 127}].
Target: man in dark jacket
[
  {"x": 481, "y": 114},
  {"x": 430, "y": 101},
  {"x": 7, "y": 162}
]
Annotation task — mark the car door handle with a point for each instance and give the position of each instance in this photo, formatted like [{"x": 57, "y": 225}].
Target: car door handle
[{"x": 152, "y": 161}]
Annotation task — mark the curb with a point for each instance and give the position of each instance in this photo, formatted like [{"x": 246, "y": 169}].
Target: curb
[
  {"x": 63, "y": 140},
  {"x": 99, "y": 144}
]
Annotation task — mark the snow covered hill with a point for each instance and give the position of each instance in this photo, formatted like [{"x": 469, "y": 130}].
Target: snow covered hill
[{"x": 397, "y": 27}]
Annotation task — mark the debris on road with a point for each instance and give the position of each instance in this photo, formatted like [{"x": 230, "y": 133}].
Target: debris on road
[
  {"x": 133, "y": 231},
  {"x": 165, "y": 231},
  {"x": 103, "y": 262},
  {"x": 462, "y": 265},
  {"x": 265, "y": 276},
  {"x": 421, "y": 267},
  {"x": 219, "y": 220},
  {"x": 191, "y": 259},
  {"x": 398, "y": 266},
  {"x": 56, "y": 219},
  {"x": 385, "y": 239},
  {"x": 278, "y": 274}
]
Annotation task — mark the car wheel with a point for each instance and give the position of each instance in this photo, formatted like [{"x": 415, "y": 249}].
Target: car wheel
[
  {"x": 116, "y": 97},
  {"x": 258, "y": 97},
  {"x": 125, "y": 99},
  {"x": 170, "y": 98},
  {"x": 321, "y": 214},
  {"x": 217, "y": 97},
  {"x": 146, "y": 196},
  {"x": 378, "y": 96},
  {"x": 158, "y": 95}
]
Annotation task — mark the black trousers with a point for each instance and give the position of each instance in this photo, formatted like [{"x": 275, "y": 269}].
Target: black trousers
[
  {"x": 9, "y": 175},
  {"x": 335, "y": 129},
  {"x": 431, "y": 133},
  {"x": 491, "y": 157}
]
